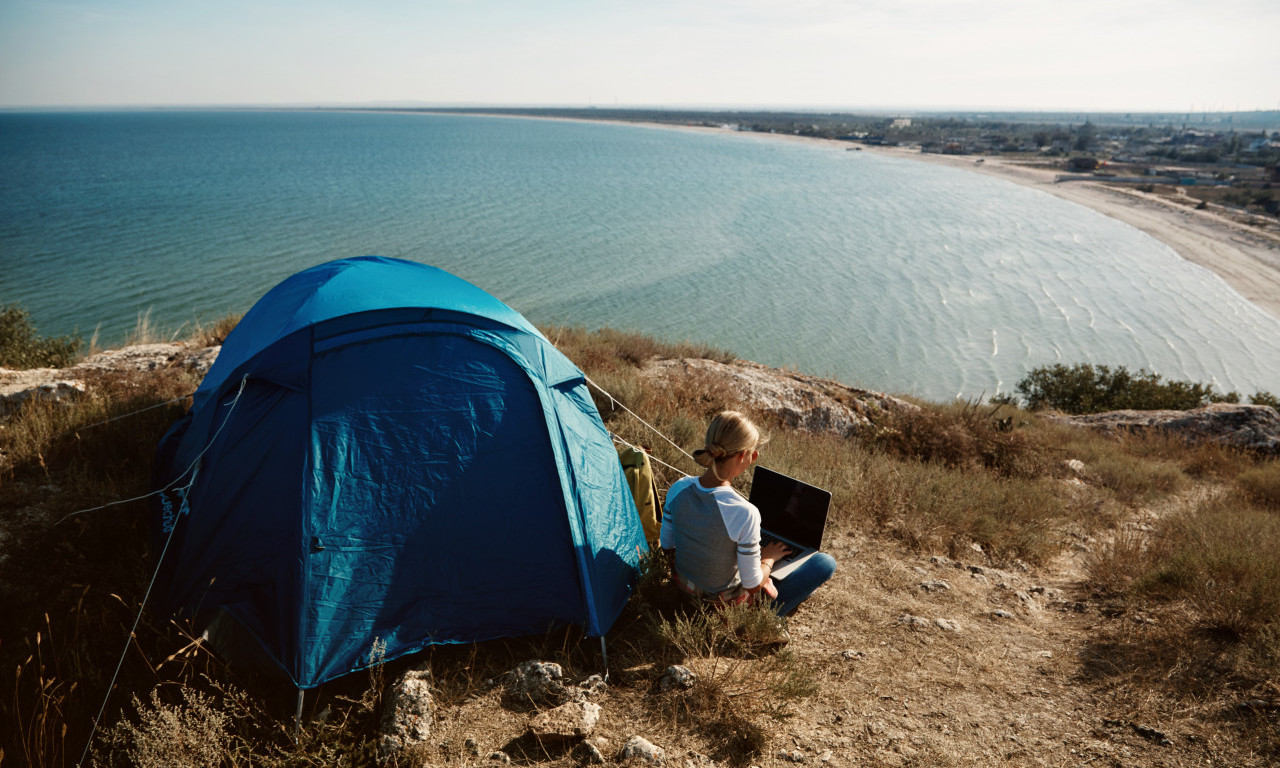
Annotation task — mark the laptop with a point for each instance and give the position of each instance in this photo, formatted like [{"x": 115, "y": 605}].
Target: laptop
[{"x": 792, "y": 512}]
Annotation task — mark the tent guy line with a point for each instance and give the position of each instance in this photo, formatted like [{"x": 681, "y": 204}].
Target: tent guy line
[
  {"x": 171, "y": 485},
  {"x": 615, "y": 401},
  {"x": 617, "y": 439},
  {"x": 131, "y": 413},
  {"x": 154, "y": 574}
]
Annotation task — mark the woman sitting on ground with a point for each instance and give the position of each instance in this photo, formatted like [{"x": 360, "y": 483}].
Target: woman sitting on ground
[{"x": 711, "y": 534}]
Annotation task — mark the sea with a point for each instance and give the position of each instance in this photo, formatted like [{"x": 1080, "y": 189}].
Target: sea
[{"x": 885, "y": 273}]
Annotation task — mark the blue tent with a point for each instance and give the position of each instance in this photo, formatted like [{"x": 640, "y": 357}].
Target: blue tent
[{"x": 384, "y": 452}]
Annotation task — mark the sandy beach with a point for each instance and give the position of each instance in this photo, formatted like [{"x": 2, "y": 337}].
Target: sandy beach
[{"x": 1246, "y": 257}]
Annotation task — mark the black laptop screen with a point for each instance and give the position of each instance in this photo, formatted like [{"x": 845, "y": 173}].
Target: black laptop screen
[{"x": 789, "y": 508}]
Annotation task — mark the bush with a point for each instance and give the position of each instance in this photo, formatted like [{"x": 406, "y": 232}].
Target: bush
[
  {"x": 21, "y": 347},
  {"x": 194, "y": 733},
  {"x": 1265, "y": 398},
  {"x": 1086, "y": 388}
]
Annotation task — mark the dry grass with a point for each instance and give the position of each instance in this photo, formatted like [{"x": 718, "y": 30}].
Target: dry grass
[
  {"x": 1260, "y": 485},
  {"x": 214, "y": 333},
  {"x": 1202, "y": 583},
  {"x": 1203, "y": 592}
]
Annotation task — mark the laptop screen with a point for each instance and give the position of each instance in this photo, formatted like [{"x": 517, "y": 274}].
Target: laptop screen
[{"x": 789, "y": 508}]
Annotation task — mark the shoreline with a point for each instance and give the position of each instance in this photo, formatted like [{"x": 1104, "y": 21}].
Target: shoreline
[{"x": 1244, "y": 257}]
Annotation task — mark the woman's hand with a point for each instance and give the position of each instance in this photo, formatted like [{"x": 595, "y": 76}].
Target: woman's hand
[{"x": 773, "y": 552}]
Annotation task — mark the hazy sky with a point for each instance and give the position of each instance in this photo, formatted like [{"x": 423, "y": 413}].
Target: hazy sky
[{"x": 1126, "y": 55}]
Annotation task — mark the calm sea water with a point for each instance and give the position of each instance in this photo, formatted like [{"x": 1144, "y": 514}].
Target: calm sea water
[{"x": 890, "y": 274}]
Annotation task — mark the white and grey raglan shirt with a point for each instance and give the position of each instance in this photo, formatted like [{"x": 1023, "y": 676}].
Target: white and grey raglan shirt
[{"x": 715, "y": 533}]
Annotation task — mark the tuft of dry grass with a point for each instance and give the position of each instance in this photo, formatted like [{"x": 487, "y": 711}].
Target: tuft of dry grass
[
  {"x": 934, "y": 508},
  {"x": 742, "y": 676},
  {"x": 965, "y": 435},
  {"x": 1260, "y": 485},
  {"x": 214, "y": 333},
  {"x": 609, "y": 349},
  {"x": 1222, "y": 560}
]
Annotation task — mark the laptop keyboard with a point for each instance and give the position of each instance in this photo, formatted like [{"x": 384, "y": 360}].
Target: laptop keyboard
[{"x": 766, "y": 539}]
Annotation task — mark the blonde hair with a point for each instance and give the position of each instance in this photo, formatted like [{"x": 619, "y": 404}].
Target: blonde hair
[{"x": 728, "y": 434}]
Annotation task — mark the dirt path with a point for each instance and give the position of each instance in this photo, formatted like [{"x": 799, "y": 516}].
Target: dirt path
[{"x": 932, "y": 662}]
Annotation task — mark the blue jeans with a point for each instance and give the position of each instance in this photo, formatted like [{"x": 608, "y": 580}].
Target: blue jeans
[{"x": 800, "y": 583}]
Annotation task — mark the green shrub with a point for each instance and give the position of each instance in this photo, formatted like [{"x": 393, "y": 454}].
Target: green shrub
[
  {"x": 1086, "y": 388},
  {"x": 21, "y": 347},
  {"x": 1265, "y": 398}
]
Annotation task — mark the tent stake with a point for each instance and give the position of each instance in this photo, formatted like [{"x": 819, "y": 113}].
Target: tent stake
[
  {"x": 604, "y": 655},
  {"x": 297, "y": 718}
]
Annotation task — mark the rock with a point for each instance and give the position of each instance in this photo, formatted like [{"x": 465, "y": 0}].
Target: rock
[
  {"x": 589, "y": 753},
  {"x": 939, "y": 560},
  {"x": 914, "y": 622},
  {"x": 1252, "y": 427},
  {"x": 538, "y": 683},
  {"x": 947, "y": 625},
  {"x": 16, "y": 387},
  {"x": 499, "y": 757},
  {"x": 1001, "y": 614},
  {"x": 849, "y": 653},
  {"x": 201, "y": 360},
  {"x": 677, "y": 678},
  {"x": 794, "y": 756},
  {"x": 802, "y": 402},
  {"x": 593, "y": 686},
  {"x": 574, "y": 720},
  {"x": 410, "y": 710},
  {"x": 977, "y": 570},
  {"x": 19, "y": 390},
  {"x": 472, "y": 747},
  {"x": 641, "y": 749},
  {"x": 1151, "y": 734},
  {"x": 937, "y": 585}
]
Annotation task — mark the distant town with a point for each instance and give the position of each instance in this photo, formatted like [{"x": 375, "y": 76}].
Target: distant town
[{"x": 1227, "y": 159}]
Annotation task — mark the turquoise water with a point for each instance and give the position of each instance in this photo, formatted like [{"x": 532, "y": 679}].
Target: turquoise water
[{"x": 890, "y": 274}]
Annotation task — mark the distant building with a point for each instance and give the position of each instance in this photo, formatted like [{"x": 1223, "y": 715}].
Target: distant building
[{"x": 901, "y": 122}]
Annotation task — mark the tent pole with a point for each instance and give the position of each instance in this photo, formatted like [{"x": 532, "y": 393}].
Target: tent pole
[
  {"x": 604, "y": 655},
  {"x": 297, "y": 717}
]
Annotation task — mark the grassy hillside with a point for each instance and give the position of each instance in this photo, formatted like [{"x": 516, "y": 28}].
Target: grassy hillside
[{"x": 1011, "y": 592}]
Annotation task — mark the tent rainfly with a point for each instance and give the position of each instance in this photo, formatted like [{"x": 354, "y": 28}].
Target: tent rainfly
[{"x": 385, "y": 457}]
